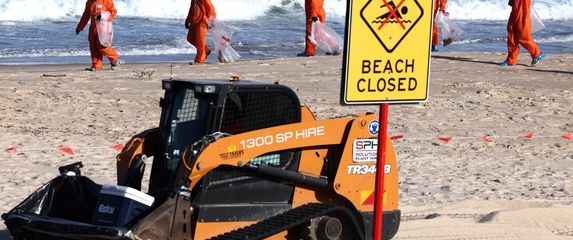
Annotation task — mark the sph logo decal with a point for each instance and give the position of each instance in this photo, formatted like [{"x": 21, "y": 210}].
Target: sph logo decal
[
  {"x": 365, "y": 150},
  {"x": 374, "y": 127}
]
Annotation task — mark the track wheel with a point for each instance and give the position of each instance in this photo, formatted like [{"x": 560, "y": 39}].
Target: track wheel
[{"x": 328, "y": 228}]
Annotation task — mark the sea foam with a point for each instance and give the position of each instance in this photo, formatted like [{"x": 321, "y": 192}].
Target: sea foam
[{"x": 237, "y": 10}]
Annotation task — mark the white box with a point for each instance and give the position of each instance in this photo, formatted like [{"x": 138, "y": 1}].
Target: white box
[{"x": 119, "y": 205}]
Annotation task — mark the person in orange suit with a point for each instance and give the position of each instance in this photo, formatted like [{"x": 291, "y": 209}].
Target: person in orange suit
[
  {"x": 201, "y": 12},
  {"x": 314, "y": 12},
  {"x": 92, "y": 13},
  {"x": 439, "y": 5},
  {"x": 519, "y": 32}
]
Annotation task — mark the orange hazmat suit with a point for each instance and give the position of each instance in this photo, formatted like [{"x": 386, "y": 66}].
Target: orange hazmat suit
[
  {"x": 519, "y": 31},
  {"x": 439, "y": 5},
  {"x": 200, "y": 12},
  {"x": 93, "y": 9},
  {"x": 312, "y": 8}
]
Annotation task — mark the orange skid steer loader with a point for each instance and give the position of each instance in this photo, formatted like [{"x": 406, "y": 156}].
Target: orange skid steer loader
[{"x": 231, "y": 160}]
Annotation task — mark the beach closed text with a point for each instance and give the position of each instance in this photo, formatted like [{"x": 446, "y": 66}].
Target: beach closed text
[{"x": 385, "y": 83}]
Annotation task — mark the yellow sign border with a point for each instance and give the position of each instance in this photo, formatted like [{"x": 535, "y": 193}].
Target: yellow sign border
[{"x": 345, "y": 66}]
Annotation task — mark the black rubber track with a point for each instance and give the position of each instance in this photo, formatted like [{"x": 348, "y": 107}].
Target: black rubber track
[{"x": 290, "y": 219}]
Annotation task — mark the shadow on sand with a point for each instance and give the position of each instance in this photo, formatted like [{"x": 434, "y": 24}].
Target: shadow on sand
[
  {"x": 550, "y": 71},
  {"x": 463, "y": 59}
]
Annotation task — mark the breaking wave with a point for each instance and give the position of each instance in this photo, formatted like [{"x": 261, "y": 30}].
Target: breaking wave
[{"x": 238, "y": 10}]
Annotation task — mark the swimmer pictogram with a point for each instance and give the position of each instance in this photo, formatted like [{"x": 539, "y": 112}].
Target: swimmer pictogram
[
  {"x": 393, "y": 15},
  {"x": 391, "y": 21}
]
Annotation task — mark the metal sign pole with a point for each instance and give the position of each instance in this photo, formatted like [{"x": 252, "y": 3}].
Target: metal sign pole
[{"x": 380, "y": 171}]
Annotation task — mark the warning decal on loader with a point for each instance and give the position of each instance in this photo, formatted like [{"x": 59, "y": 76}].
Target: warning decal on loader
[{"x": 367, "y": 197}]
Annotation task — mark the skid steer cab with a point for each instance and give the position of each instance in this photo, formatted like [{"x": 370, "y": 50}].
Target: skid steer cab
[{"x": 230, "y": 160}]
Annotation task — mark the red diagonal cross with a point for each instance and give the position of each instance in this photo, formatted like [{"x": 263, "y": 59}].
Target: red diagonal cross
[{"x": 392, "y": 14}]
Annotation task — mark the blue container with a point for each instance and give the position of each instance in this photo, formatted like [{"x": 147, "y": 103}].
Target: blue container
[{"x": 118, "y": 205}]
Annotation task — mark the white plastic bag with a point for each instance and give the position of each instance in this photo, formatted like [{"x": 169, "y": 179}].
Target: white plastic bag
[
  {"x": 222, "y": 41},
  {"x": 105, "y": 29},
  {"x": 450, "y": 31},
  {"x": 325, "y": 38},
  {"x": 536, "y": 23}
]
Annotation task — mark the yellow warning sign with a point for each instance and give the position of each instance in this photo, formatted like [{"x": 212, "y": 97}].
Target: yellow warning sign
[{"x": 387, "y": 54}]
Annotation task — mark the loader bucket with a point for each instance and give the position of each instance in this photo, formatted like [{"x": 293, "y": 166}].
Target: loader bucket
[{"x": 63, "y": 208}]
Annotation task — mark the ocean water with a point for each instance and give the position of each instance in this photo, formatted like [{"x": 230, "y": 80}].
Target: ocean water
[{"x": 43, "y": 31}]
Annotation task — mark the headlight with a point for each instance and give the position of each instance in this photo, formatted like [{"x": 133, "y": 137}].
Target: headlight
[
  {"x": 167, "y": 85},
  {"x": 209, "y": 89}
]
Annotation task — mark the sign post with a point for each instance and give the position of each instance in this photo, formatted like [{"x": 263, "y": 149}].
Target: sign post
[
  {"x": 380, "y": 163},
  {"x": 386, "y": 60}
]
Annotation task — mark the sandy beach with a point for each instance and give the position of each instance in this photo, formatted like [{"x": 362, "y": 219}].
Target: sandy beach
[{"x": 505, "y": 173}]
